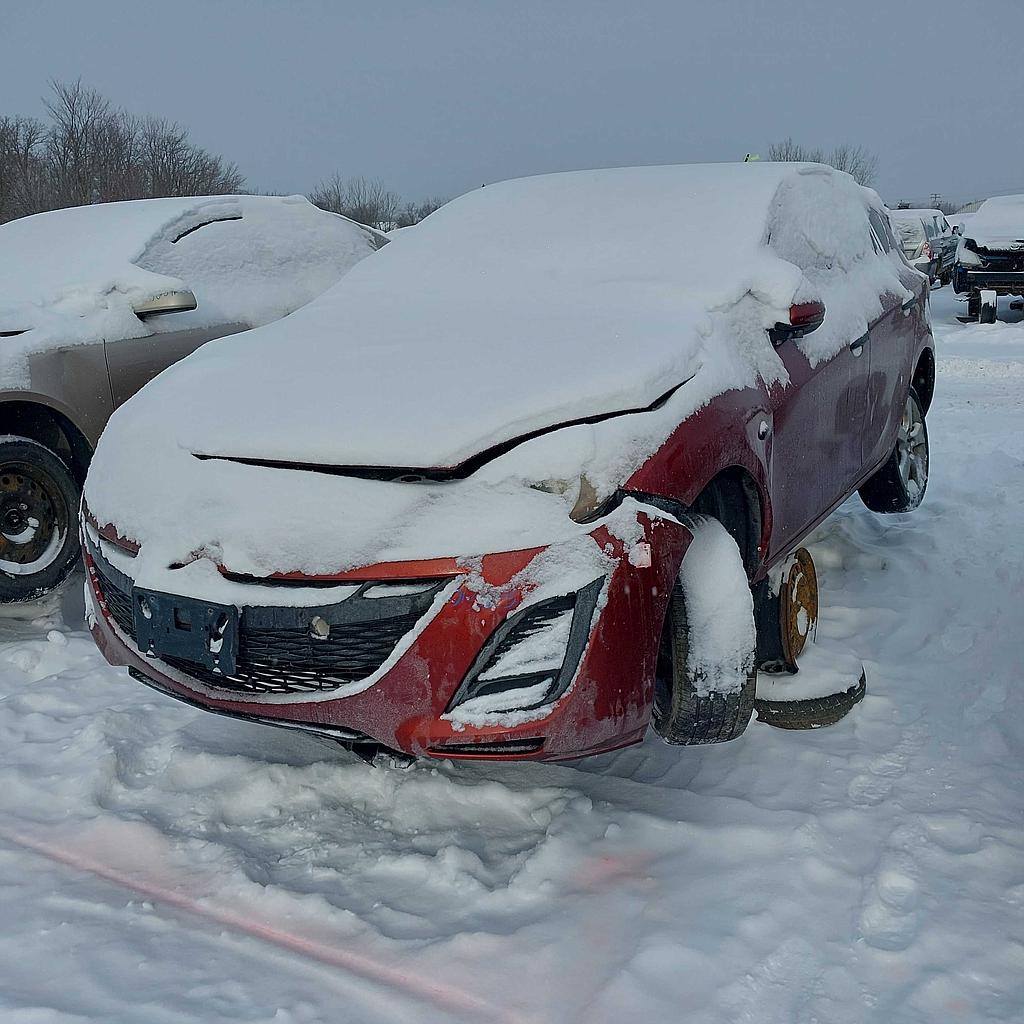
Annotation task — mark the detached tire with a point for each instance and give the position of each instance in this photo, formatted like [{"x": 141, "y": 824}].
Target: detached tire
[
  {"x": 900, "y": 485},
  {"x": 38, "y": 520},
  {"x": 707, "y": 673}
]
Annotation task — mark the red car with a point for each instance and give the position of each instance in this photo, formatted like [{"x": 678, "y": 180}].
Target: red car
[{"x": 521, "y": 483}]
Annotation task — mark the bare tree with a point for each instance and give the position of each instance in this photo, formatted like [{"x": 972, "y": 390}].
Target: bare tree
[
  {"x": 413, "y": 213},
  {"x": 855, "y": 160},
  {"x": 363, "y": 200},
  {"x": 93, "y": 152},
  {"x": 22, "y": 173}
]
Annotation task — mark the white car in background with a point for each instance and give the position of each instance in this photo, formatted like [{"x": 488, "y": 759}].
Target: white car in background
[{"x": 96, "y": 300}]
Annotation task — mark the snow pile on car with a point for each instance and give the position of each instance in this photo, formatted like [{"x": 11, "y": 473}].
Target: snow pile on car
[
  {"x": 999, "y": 222},
  {"x": 75, "y": 276},
  {"x": 562, "y": 301}
]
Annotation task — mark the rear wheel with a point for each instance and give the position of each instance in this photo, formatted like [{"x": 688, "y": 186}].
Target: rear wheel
[
  {"x": 987, "y": 303},
  {"x": 707, "y": 673},
  {"x": 38, "y": 505},
  {"x": 900, "y": 484}
]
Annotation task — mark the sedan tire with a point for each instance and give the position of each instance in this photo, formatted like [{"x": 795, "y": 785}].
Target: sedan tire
[
  {"x": 38, "y": 520},
  {"x": 688, "y": 709},
  {"x": 900, "y": 484}
]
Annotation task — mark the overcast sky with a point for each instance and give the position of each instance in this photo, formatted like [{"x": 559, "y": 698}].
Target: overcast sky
[{"x": 438, "y": 97}]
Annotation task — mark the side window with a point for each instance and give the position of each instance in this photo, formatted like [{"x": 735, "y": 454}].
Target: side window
[{"x": 881, "y": 231}]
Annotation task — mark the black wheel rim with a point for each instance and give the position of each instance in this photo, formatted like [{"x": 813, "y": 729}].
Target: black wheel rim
[{"x": 32, "y": 514}]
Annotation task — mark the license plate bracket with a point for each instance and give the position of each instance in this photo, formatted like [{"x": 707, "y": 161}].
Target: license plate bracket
[{"x": 171, "y": 626}]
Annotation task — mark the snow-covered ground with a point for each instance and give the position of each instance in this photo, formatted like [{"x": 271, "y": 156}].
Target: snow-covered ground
[{"x": 162, "y": 864}]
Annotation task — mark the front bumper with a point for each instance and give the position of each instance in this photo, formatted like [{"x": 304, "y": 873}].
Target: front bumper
[{"x": 405, "y": 704}]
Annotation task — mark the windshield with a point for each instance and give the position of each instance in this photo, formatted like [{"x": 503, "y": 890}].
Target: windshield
[{"x": 909, "y": 232}]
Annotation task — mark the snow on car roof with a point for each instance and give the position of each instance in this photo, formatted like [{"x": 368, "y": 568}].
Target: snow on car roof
[
  {"x": 902, "y": 214},
  {"x": 75, "y": 276},
  {"x": 1001, "y": 217}
]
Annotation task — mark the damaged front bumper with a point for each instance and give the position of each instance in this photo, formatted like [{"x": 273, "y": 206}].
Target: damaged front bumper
[{"x": 544, "y": 653}]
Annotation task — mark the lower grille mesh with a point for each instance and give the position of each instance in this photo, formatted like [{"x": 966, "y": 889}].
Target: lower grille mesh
[{"x": 278, "y": 659}]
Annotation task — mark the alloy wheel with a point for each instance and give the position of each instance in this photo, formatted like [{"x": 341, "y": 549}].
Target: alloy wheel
[{"x": 912, "y": 448}]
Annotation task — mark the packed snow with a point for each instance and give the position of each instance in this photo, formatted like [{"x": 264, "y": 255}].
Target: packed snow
[
  {"x": 161, "y": 863},
  {"x": 75, "y": 276}
]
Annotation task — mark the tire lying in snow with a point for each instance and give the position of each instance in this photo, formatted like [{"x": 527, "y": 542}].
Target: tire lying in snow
[
  {"x": 813, "y": 712},
  {"x": 900, "y": 484},
  {"x": 38, "y": 526},
  {"x": 707, "y": 672}
]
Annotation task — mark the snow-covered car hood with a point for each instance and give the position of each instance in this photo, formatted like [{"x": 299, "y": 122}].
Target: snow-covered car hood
[{"x": 521, "y": 306}]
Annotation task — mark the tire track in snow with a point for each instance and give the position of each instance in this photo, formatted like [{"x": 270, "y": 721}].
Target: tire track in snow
[{"x": 442, "y": 995}]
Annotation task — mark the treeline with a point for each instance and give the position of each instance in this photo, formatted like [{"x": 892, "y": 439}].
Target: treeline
[{"x": 89, "y": 151}]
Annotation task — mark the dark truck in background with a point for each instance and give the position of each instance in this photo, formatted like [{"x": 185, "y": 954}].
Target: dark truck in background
[{"x": 990, "y": 256}]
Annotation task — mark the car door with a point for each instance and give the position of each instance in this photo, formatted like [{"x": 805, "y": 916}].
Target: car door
[
  {"x": 818, "y": 415},
  {"x": 817, "y": 422},
  {"x": 134, "y": 362},
  {"x": 892, "y": 341}
]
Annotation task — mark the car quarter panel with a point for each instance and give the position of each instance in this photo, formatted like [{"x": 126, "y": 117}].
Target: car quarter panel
[
  {"x": 728, "y": 432},
  {"x": 134, "y": 362},
  {"x": 73, "y": 381}
]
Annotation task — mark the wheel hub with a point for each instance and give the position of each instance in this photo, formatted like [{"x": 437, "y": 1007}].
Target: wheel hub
[
  {"x": 798, "y": 604},
  {"x": 912, "y": 449},
  {"x": 29, "y": 515}
]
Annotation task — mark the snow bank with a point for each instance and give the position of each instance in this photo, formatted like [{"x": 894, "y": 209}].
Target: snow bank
[{"x": 75, "y": 276}]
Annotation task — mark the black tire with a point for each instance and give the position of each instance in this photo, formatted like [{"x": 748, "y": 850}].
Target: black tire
[
  {"x": 973, "y": 305},
  {"x": 987, "y": 312},
  {"x": 681, "y": 715},
  {"x": 38, "y": 520},
  {"x": 893, "y": 488},
  {"x": 813, "y": 713}
]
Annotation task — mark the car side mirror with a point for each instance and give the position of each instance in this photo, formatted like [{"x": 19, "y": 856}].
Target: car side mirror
[
  {"x": 169, "y": 302},
  {"x": 804, "y": 317}
]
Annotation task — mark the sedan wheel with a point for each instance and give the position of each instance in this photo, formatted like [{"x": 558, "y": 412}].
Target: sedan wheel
[
  {"x": 707, "y": 670},
  {"x": 38, "y": 534},
  {"x": 900, "y": 484}
]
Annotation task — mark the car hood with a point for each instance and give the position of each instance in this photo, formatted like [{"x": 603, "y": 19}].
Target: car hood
[{"x": 432, "y": 352}]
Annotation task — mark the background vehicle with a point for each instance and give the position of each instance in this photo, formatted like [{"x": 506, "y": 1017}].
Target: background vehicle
[
  {"x": 990, "y": 256},
  {"x": 927, "y": 241},
  {"x": 496, "y": 515},
  {"x": 97, "y": 300}
]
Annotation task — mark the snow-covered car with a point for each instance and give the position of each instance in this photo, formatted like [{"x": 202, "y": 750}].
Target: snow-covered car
[
  {"x": 990, "y": 256},
  {"x": 97, "y": 300},
  {"x": 505, "y": 489},
  {"x": 927, "y": 241}
]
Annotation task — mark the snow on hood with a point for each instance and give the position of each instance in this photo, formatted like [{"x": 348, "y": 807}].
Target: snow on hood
[
  {"x": 518, "y": 306},
  {"x": 75, "y": 276},
  {"x": 999, "y": 223}
]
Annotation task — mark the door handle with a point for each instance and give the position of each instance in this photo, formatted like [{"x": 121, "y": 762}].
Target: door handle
[
  {"x": 857, "y": 347},
  {"x": 908, "y": 306}
]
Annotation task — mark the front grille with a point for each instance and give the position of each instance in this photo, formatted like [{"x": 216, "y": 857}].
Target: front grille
[
  {"x": 276, "y": 653},
  {"x": 1007, "y": 262}
]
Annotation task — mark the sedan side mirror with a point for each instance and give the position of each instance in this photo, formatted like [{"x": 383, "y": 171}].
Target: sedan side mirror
[
  {"x": 169, "y": 302},
  {"x": 804, "y": 317}
]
